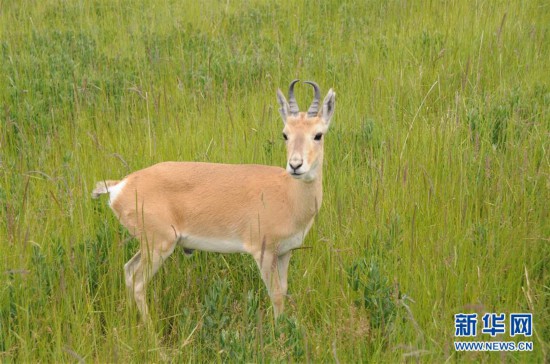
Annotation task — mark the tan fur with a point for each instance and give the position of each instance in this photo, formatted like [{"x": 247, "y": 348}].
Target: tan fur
[
  {"x": 262, "y": 208},
  {"x": 246, "y": 202}
]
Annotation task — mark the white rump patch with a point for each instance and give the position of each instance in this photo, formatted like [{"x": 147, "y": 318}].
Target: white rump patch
[
  {"x": 115, "y": 190},
  {"x": 211, "y": 244}
]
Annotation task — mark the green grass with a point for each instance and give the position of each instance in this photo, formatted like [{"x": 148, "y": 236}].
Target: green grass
[{"x": 436, "y": 174}]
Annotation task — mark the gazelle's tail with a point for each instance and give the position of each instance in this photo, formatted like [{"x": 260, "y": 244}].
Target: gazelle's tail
[{"x": 102, "y": 187}]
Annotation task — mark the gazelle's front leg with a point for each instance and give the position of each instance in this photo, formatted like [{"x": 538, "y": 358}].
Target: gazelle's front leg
[
  {"x": 268, "y": 265},
  {"x": 282, "y": 264}
]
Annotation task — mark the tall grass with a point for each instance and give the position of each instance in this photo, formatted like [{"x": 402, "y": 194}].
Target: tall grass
[{"x": 436, "y": 174}]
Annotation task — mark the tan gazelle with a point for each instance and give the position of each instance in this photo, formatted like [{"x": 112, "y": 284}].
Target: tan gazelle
[{"x": 228, "y": 208}]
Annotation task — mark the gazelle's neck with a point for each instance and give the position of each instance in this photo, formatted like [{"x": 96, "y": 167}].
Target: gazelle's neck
[{"x": 308, "y": 194}]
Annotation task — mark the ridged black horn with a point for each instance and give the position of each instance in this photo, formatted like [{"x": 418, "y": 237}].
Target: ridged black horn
[
  {"x": 294, "y": 110},
  {"x": 314, "y": 107}
]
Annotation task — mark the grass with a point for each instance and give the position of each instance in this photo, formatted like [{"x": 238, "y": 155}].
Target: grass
[{"x": 436, "y": 175}]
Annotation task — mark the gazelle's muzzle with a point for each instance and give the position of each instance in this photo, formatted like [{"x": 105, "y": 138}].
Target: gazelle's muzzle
[{"x": 295, "y": 166}]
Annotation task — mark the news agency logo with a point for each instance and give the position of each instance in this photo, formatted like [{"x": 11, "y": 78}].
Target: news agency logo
[{"x": 519, "y": 324}]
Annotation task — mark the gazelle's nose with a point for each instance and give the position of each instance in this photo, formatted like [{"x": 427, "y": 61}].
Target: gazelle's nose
[{"x": 295, "y": 163}]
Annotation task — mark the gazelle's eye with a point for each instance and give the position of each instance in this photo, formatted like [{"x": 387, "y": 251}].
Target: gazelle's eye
[
  {"x": 285, "y": 136},
  {"x": 318, "y": 136}
]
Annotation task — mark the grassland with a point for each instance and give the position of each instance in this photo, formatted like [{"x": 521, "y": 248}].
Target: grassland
[{"x": 436, "y": 175}]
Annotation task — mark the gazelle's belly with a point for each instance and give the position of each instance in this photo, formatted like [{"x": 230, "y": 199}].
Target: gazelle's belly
[{"x": 211, "y": 244}]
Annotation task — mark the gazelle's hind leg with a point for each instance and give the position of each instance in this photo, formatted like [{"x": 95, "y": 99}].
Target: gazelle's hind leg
[
  {"x": 142, "y": 267},
  {"x": 130, "y": 268}
]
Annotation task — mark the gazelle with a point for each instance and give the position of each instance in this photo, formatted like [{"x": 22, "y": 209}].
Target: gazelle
[{"x": 261, "y": 210}]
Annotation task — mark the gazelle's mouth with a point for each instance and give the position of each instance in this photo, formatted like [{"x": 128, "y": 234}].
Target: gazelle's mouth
[{"x": 297, "y": 174}]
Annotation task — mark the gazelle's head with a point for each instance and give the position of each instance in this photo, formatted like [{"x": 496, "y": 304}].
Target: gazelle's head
[{"x": 304, "y": 132}]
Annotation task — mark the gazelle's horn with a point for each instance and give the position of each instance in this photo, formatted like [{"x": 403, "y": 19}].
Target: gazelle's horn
[
  {"x": 314, "y": 107},
  {"x": 294, "y": 110}
]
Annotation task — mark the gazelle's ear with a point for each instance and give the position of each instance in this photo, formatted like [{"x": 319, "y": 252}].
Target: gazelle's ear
[
  {"x": 328, "y": 106},
  {"x": 284, "y": 105}
]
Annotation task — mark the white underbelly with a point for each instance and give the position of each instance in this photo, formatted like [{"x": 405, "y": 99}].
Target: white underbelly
[{"x": 212, "y": 244}]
